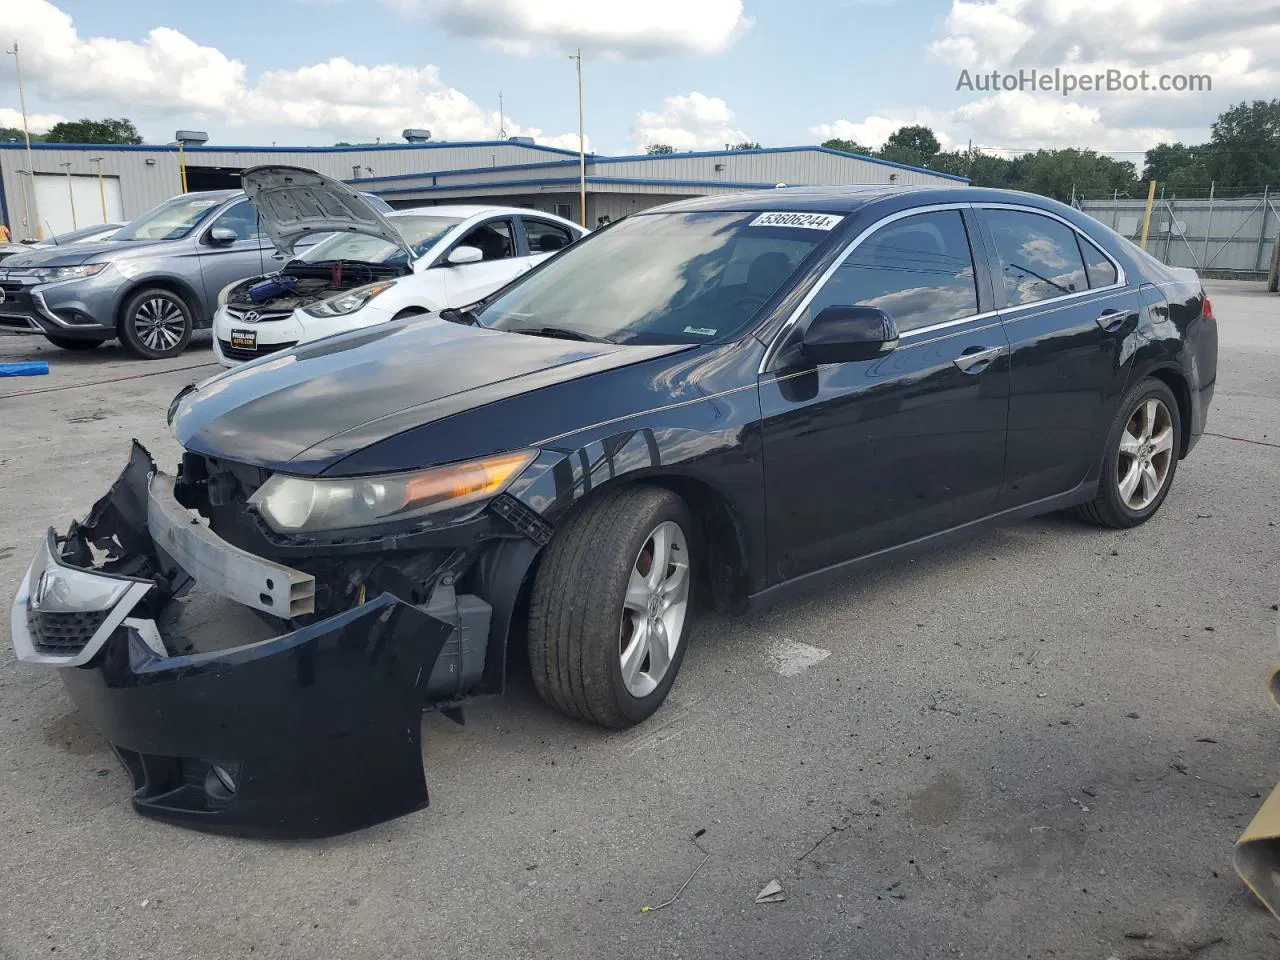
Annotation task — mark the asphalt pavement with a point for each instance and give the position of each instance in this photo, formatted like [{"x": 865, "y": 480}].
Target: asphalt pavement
[{"x": 1041, "y": 743}]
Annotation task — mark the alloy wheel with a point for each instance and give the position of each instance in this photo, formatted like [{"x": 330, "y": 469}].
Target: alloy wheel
[
  {"x": 159, "y": 323},
  {"x": 1146, "y": 454},
  {"x": 654, "y": 610}
]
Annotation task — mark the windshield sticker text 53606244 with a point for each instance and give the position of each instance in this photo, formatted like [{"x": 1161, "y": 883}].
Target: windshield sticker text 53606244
[{"x": 805, "y": 221}]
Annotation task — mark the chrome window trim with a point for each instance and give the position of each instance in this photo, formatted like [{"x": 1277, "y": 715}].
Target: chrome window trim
[
  {"x": 836, "y": 264},
  {"x": 1122, "y": 277}
]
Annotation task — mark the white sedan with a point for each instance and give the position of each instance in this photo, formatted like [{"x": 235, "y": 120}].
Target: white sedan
[{"x": 373, "y": 267}]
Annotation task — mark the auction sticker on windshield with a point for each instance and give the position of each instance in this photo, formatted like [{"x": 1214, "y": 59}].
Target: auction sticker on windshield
[{"x": 805, "y": 221}]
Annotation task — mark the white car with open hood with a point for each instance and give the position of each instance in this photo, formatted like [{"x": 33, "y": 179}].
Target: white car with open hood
[{"x": 373, "y": 267}]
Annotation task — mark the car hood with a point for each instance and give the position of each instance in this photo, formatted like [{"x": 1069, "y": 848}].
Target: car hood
[
  {"x": 304, "y": 410},
  {"x": 74, "y": 254},
  {"x": 295, "y": 202}
]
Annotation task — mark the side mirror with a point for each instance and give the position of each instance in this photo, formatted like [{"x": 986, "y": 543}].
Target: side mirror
[
  {"x": 849, "y": 334},
  {"x": 221, "y": 236},
  {"x": 461, "y": 255}
]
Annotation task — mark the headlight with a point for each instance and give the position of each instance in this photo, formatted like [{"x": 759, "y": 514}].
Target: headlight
[
  {"x": 348, "y": 301},
  {"x": 49, "y": 274},
  {"x": 298, "y": 505},
  {"x": 225, "y": 292}
]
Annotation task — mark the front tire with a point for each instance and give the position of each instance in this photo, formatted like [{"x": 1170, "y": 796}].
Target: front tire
[
  {"x": 612, "y": 607},
  {"x": 155, "y": 324},
  {"x": 76, "y": 346},
  {"x": 1140, "y": 458}
]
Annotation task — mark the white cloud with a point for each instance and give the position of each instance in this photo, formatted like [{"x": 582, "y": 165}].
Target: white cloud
[
  {"x": 1235, "y": 42},
  {"x": 36, "y": 122},
  {"x": 624, "y": 28},
  {"x": 168, "y": 78},
  {"x": 689, "y": 122}
]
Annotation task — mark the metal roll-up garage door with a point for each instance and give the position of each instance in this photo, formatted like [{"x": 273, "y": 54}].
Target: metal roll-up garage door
[{"x": 66, "y": 204}]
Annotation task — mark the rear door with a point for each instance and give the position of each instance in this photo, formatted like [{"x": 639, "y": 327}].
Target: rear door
[
  {"x": 1072, "y": 326},
  {"x": 468, "y": 282},
  {"x": 247, "y": 256},
  {"x": 544, "y": 238},
  {"x": 867, "y": 455}
]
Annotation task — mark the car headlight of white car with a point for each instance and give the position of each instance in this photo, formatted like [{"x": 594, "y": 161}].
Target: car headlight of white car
[
  {"x": 302, "y": 505},
  {"x": 349, "y": 301}
]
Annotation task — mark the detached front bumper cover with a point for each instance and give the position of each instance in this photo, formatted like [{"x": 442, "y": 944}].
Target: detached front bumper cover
[{"x": 310, "y": 733}]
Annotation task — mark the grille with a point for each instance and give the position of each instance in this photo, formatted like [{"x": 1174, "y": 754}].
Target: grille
[
  {"x": 63, "y": 633},
  {"x": 263, "y": 316},
  {"x": 239, "y": 353}
]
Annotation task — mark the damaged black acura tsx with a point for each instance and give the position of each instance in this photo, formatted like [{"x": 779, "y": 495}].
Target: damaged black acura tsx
[{"x": 706, "y": 404}]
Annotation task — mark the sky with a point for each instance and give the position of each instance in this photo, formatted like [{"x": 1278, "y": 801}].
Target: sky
[{"x": 696, "y": 74}]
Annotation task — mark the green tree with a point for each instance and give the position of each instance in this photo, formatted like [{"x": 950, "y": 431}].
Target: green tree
[
  {"x": 14, "y": 134},
  {"x": 958, "y": 162},
  {"x": 93, "y": 131},
  {"x": 656, "y": 148},
  {"x": 1179, "y": 168},
  {"x": 746, "y": 145},
  {"x": 918, "y": 141},
  {"x": 1063, "y": 173},
  {"x": 847, "y": 146},
  {"x": 1244, "y": 152}
]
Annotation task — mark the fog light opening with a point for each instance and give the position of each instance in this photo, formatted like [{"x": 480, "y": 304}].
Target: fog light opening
[{"x": 219, "y": 784}]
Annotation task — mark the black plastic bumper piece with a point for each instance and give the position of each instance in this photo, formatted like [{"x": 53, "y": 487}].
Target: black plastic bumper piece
[{"x": 310, "y": 734}]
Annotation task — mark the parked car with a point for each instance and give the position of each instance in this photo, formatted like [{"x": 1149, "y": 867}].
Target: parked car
[
  {"x": 151, "y": 285},
  {"x": 375, "y": 267},
  {"x": 713, "y": 403},
  {"x": 93, "y": 234}
]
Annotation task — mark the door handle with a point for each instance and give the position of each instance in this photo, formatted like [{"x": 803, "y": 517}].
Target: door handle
[
  {"x": 277, "y": 256},
  {"x": 1112, "y": 320},
  {"x": 976, "y": 359}
]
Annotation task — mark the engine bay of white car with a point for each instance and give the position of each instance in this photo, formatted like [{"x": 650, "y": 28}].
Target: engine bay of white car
[{"x": 302, "y": 282}]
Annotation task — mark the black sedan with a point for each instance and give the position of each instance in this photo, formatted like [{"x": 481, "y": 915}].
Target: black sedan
[{"x": 712, "y": 403}]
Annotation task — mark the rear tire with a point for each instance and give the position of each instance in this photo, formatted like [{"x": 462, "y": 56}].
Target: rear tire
[
  {"x": 155, "y": 323},
  {"x": 76, "y": 346},
  {"x": 1139, "y": 460},
  {"x": 609, "y": 620}
]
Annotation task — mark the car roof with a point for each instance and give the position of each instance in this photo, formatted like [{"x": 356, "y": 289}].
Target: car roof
[
  {"x": 465, "y": 210},
  {"x": 846, "y": 199}
]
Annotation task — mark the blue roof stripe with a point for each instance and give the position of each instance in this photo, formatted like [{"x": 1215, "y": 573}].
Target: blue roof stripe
[{"x": 558, "y": 181}]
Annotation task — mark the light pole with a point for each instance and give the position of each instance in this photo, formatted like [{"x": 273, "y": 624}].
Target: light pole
[
  {"x": 71, "y": 194},
  {"x": 34, "y": 209},
  {"x": 582, "y": 147},
  {"x": 102, "y": 192}
]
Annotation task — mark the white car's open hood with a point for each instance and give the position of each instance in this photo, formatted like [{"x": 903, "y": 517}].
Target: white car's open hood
[{"x": 295, "y": 202}]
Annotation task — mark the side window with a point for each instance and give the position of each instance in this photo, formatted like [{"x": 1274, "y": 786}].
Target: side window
[
  {"x": 1100, "y": 271},
  {"x": 546, "y": 237},
  {"x": 494, "y": 239},
  {"x": 243, "y": 219},
  {"x": 919, "y": 270},
  {"x": 1039, "y": 258}
]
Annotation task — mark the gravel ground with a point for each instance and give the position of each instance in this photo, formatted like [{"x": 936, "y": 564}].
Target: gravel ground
[{"x": 1040, "y": 744}]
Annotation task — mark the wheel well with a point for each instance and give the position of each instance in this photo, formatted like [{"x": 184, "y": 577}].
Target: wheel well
[
  {"x": 1182, "y": 393},
  {"x": 724, "y": 569},
  {"x": 163, "y": 283}
]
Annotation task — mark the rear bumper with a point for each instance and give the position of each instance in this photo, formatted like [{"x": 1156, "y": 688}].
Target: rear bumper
[{"x": 310, "y": 732}]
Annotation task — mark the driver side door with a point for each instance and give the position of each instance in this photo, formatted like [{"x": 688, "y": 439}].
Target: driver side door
[
  {"x": 866, "y": 455},
  {"x": 466, "y": 283},
  {"x": 246, "y": 256}
]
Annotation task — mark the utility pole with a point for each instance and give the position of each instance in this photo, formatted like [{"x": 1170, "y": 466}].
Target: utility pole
[
  {"x": 102, "y": 193},
  {"x": 26, "y": 135},
  {"x": 502, "y": 119},
  {"x": 71, "y": 195},
  {"x": 582, "y": 147}
]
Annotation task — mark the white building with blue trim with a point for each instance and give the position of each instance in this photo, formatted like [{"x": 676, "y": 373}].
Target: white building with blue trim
[{"x": 75, "y": 185}]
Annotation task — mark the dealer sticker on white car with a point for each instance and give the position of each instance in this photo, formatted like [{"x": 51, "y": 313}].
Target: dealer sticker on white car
[
  {"x": 806, "y": 221},
  {"x": 244, "y": 339}
]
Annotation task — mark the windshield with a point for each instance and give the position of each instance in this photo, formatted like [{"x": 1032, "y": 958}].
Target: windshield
[
  {"x": 420, "y": 232},
  {"x": 171, "y": 220},
  {"x": 663, "y": 278}
]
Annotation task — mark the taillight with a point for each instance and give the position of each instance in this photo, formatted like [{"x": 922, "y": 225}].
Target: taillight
[{"x": 1207, "y": 310}]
